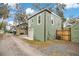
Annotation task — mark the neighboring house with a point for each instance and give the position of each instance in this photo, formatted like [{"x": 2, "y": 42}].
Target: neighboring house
[
  {"x": 22, "y": 29},
  {"x": 70, "y": 22},
  {"x": 9, "y": 27},
  {"x": 75, "y": 33},
  {"x": 67, "y": 24},
  {"x": 43, "y": 25}
]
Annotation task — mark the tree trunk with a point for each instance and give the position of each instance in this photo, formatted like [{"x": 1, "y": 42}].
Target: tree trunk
[
  {"x": 1, "y": 25},
  {"x": 62, "y": 23}
]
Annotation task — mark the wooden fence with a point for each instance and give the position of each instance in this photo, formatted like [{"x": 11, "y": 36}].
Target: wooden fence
[{"x": 64, "y": 34}]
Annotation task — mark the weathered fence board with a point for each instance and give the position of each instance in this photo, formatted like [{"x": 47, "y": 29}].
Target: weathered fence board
[{"x": 64, "y": 34}]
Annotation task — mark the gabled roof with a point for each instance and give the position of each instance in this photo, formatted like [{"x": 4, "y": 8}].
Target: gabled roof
[{"x": 41, "y": 12}]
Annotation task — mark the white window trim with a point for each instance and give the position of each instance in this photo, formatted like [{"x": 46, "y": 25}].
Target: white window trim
[{"x": 38, "y": 19}]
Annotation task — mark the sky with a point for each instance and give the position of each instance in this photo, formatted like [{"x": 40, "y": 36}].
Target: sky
[{"x": 71, "y": 10}]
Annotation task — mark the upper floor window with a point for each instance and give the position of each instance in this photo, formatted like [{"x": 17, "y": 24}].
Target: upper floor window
[
  {"x": 38, "y": 19},
  {"x": 29, "y": 23},
  {"x": 32, "y": 20},
  {"x": 51, "y": 19}
]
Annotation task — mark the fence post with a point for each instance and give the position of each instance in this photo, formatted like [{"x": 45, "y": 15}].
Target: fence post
[
  {"x": 56, "y": 34},
  {"x": 70, "y": 33}
]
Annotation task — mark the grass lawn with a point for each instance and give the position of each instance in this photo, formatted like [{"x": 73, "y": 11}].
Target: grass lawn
[{"x": 41, "y": 44}]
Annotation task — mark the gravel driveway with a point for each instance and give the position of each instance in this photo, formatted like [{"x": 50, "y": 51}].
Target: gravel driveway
[{"x": 12, "y": 46}]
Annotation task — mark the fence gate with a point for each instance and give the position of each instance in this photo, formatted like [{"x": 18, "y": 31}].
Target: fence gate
[{"x": 64, "y": 34}]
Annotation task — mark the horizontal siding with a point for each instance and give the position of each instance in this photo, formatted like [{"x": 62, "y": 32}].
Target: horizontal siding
[
  {"x": 38, "y": 29},
  {"x": 51, "y": 28}
]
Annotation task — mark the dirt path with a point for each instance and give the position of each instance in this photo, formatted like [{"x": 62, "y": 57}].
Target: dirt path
[
  {"x": 12, "y": 46},
  {"x": 61, "y": 49}
]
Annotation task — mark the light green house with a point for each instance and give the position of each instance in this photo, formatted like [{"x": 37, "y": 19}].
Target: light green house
[{"x": 43, "y": 25}]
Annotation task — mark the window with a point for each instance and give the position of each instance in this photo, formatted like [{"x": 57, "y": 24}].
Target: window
[
  {"x": 38, "y": 19},
  {"x": 32, "y": 20},
  {"x": 51, "y": 19},
  {"x": 29, "y": 23}
]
